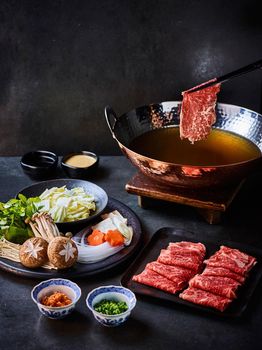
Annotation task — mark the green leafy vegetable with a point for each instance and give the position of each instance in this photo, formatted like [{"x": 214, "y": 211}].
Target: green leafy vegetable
[
  {"x": 18, "y": 234},
  {"x": 13, "y": 215}
]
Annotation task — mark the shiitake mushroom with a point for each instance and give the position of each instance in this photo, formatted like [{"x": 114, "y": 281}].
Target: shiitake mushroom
[
  {"x": 62, "y": 252},
  {"x": 33, "y": 252}
]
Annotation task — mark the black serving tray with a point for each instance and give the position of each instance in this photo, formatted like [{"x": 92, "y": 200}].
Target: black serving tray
[{"x": 160, "y": 241}]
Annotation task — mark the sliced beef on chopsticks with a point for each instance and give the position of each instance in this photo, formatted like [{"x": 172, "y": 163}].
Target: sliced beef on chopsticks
[
  {"x": 198, "y": 113},
  {"x": 204, "y": 298}
]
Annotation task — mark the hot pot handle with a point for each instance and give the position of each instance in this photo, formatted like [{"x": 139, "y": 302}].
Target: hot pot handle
[{"x": 109, "y": 114}]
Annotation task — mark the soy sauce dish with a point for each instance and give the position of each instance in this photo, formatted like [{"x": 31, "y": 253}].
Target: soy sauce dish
[
  {"x": 80, "y": 165},
  {"x": 39, "y": 164}
]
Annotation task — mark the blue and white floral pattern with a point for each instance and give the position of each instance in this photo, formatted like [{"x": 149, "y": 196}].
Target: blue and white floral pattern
[
  {"x": 110, "y": 322},
  {"x": 55, "y": 314},
  {"x": 49, "y": 285}
]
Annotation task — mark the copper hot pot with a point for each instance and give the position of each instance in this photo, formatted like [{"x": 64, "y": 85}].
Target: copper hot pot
[{"x": 239, "y": 120}]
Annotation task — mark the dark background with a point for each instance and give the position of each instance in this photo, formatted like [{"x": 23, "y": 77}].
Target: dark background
[{"x": 61, "y": 62}]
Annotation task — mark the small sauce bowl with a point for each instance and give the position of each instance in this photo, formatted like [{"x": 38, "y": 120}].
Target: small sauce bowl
[
  {"x": 48, "y": 287},
  {"x": 39, "y": 164},
  {"x": 77, "y": 171}
]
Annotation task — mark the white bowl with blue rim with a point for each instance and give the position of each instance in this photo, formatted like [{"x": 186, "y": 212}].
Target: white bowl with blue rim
[
  {"x": 116, "y": 293},
  {"x": 49, "y": 287}
]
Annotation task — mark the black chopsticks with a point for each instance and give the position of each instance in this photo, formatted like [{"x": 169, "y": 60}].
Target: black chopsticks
[{"x": 223, "y": 78}]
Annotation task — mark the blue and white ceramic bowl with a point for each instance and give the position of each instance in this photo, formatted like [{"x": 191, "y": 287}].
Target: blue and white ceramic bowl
[
  {"x": 51, "y": 286},
  {"x": 116, "y": 293}
]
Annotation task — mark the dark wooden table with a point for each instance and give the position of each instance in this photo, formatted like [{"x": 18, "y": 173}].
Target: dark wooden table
[{"x": 153, "y": 325}]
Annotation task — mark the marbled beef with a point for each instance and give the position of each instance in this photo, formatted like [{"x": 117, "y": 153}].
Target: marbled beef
[
  {"x": 198, "y": 113},
  {"x": 187, "y": 248},
  {"x": 202, "y": 297},
  {"x": 232, "y": 259},
  {"x": 224, "y": 286},
  {"x": 153, "y": 279},
  {"x": 222, "y": 272},
  {"x": 173, "y": 273},
  {"x": 187, "y": 261}
]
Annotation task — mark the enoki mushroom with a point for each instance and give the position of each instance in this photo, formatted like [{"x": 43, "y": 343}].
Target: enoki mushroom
[{"x": 9, "y": 250}]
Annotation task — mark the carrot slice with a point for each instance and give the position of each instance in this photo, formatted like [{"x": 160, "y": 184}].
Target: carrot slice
[
  {"x": 114, "y": 238},
  {"x": 97, "y": 237}
]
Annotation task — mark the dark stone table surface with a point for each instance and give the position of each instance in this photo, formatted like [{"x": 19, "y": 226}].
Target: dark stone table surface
[{"x": 152, "y": 325}]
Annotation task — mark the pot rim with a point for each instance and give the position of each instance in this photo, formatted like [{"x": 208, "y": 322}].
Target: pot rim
[{"x": 122, "y": 146}]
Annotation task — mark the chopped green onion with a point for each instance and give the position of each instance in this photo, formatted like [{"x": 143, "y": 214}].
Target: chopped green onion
[{"x": 111, "y": 307}]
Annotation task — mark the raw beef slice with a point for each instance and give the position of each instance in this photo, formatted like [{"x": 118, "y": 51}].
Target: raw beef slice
[
  {"x": 173, "y": 273},
  {"x": 232, "y": 259},
  {"x": 202, "y": 297},
  {"x": 153, "y": 279},
  {"x": 190, "y": 262},
  {"x": 198, "y": 113},
  {"x": 188, "y": 248},
  {"x": 222, "y": 272},
  {"x": 224, "y": 286}
]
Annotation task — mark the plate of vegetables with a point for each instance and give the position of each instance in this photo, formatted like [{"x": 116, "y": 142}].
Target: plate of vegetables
[
  {"x": 32, "y": 245},
  {"x": 71, "y": 203}
]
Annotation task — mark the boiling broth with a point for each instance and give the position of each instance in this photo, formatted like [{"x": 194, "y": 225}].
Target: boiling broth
[{"x": 220, "y": 148}]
